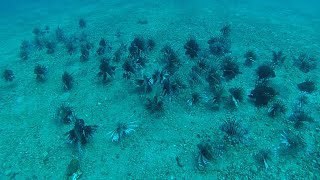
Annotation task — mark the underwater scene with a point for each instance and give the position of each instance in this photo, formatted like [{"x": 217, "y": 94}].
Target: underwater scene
[{"x": 156, "y": 89}]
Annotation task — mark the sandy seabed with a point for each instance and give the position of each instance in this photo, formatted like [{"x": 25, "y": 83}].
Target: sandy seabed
[{"x": 33, "y": 145}]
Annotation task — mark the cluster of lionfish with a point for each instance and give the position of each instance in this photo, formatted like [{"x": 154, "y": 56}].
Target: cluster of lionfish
[{"x": 80, "y": 133}]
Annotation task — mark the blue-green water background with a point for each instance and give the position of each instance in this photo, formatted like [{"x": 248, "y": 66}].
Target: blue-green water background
[{"x": 33, "y": 145}]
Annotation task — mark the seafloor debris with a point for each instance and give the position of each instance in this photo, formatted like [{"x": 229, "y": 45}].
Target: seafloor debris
[{"x": 73, "y": 170}]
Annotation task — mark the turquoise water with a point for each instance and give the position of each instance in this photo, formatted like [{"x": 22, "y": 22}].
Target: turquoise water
[{"x": 159, "y": 89}]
